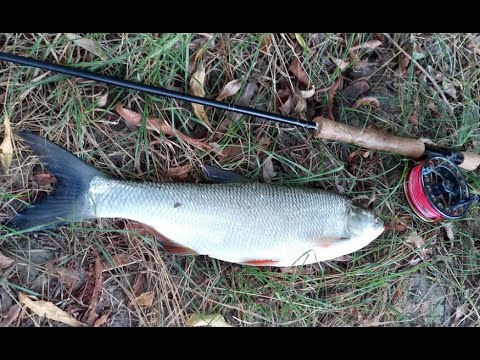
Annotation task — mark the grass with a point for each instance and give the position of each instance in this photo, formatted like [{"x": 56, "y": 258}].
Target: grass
[{"x": 392, "y": 282}]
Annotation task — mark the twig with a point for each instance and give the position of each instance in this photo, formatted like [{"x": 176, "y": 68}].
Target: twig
[{"x": 422, "y": 69}]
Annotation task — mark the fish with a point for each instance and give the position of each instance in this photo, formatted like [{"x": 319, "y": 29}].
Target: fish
[{"x": 229, "y": 218}]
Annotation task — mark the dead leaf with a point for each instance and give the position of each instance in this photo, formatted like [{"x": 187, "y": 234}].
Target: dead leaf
[
  {"x": 367, "y": 100},
  {"x": 403, "y": 67},
  {"x": 419, "y": 242},
  {"x": 160, "y": 126},
  {"x": 214, "y": 320},
  {"x": 268, "y": 173},
  {"x": 449, "y": 88},
  {"x": 5, "y": 262},
  {"x": 44, "y": 179},
  {"x": 266, "y": 43},
  {"x": 102, "y": 101},
  {"x": 331, "y": 95},
  {"x": 145, "y": 299},
  {"x": 434, "y": 109},
  {"x": 88, "y": 44},
  {"x": 448, "y": 231},
  {"x": 230, "y": 89},
  {"x": 11, "y": 316},
  {"x": 6, "y": 148},
  {"x": 102, "y": 320},
  {"x": 48, "y": 310},
  {"x": 197, "y": 88},
  {"x": 301, "y": 41},
  {"x": 372, "y": 44},
  {"x": 297, "y": 70},
  {"x": 287, "y": 107},
  {"x": 341, "y": 64},
  {"x": 91, "y": 315},
  {"x": 3, "y": 96},
  {"x": 308, "y": 94},
  {"x": 180, "y": 172},
  {"x": 474, "y": 45}
]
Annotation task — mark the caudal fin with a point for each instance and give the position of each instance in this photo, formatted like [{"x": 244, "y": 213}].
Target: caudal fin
[{"x": 68, "y": 202}]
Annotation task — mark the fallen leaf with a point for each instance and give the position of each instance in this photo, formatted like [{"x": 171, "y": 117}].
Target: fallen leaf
[
  {"x": 434, "y": 109},
  {"x": 91, "y": 315},
  {"x": 3, "y": 96},
  {"x": 180, "y": 172},
  {"x": 268, "y": 173},
  {"x": 449, "y": 88},
  {"x": 301, "y": 41},
  {"x": 341, "y": 64},
  {"x": 403, "y": 67},
  {"x": 287, "y": 107},
  {"x": 367, "y": 100},
  {"x": 331, "y": 95},
  {"x": 11, "y": 316},
  {"x": 266, "y": 43},
  {"x": 460, "y": 312},
  {"x": 474, "y": 45},
  {"x": 44, "y": 179},
  {"x": 372, "y": 44},
  {"x": 419, "y": 243},
  {"x": 308, "y": 94},
  {"x": 196, "y": 86},
  {"x": 6, "y": 148},
  {"x": 214, "y": 320},
  {"x": 102, "y": 101},
  {"x": 69, "y": 277},
  {"x": 145, "y": 299},
  {"x": 160, "y": 126},
  {"x": 448, "y": 231},
  {"x": 48, "y": 310},
  {"x": 297, "y": 70},
  {"x": 102, "y": 320},
  {"x": 88, "y": 44},
  {"x": 230, "y": 89},
  {"x": 5, "y": 262}
]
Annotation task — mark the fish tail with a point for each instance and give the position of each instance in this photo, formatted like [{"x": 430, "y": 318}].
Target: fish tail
[{"x": 69, "y": 201}]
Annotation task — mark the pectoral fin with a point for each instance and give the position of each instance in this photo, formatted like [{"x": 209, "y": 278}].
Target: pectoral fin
[{"x": 219, "y": 176}]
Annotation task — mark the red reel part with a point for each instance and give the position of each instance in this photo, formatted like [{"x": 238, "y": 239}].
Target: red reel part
[{"x": 436, "y": 190}]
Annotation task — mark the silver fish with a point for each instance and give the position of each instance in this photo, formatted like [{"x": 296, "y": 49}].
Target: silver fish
[{"x": 239, "y": 222}]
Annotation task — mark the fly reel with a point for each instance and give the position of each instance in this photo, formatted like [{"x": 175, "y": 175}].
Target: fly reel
[{"x": 437, "y": 190}]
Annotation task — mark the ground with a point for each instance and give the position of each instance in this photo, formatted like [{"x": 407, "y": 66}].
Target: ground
[{"x": 111, "y": 273}]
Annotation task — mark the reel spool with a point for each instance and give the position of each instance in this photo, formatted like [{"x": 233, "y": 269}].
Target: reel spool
[{"x": 437, "y": 190}]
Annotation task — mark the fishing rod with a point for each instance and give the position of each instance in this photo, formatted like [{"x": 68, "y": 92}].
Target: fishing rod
[{"x": 436, "y": 188}]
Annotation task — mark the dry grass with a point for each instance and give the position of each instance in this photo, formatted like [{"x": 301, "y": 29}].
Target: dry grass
[{"x": 389, "y": 283}]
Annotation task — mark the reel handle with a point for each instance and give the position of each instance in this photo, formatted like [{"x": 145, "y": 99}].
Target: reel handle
[{"x": 381, "y": 141}]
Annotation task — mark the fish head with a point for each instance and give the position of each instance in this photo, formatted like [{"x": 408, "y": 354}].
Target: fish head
[{"x": 364, "y": 225}]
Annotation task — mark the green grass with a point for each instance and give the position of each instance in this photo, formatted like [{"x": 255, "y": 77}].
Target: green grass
[{"x": 381, "y": 285}]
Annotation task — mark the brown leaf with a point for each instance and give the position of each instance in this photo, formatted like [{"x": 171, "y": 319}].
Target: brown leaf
[
  {"x": 159, "y": 126},
  {"x": 91, "y": 315},
  {"x": 180, "y": 172},
  {"x": 287, "y": 107},
  {"x": 5, "y": 262},
  {"x": 3, "y": 96},
  {"x": 230, "y": 89},
  {"x": 48, "y": 310},
  {"x": 11, "y": 316},
  {"x": 44, "y": 179},
  {"x": 372, "y": 44},
  {"x": 448, "y": 231},
  {"x": 267, "y": 170},
  {"x": 266, "y": 43},
  {"x": 6, "y": 148},
  {"x": 146, "y": 299},
  {"x": 403, "y": 67},
  {"x": 68, "y": 277},
  {"x": 88, "y": 44},
  {"x": 419, "y": 242},
  {"x": 214, "y": 320},
  {"x": 366, "y": 100},
  {"x": 297, "y": 70},
  {"x": 434, "y": 109},
  {"x": 449, "y": 88},
  {"x": 331, "y": 95},
  {"x": 197, "y": 88}
]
